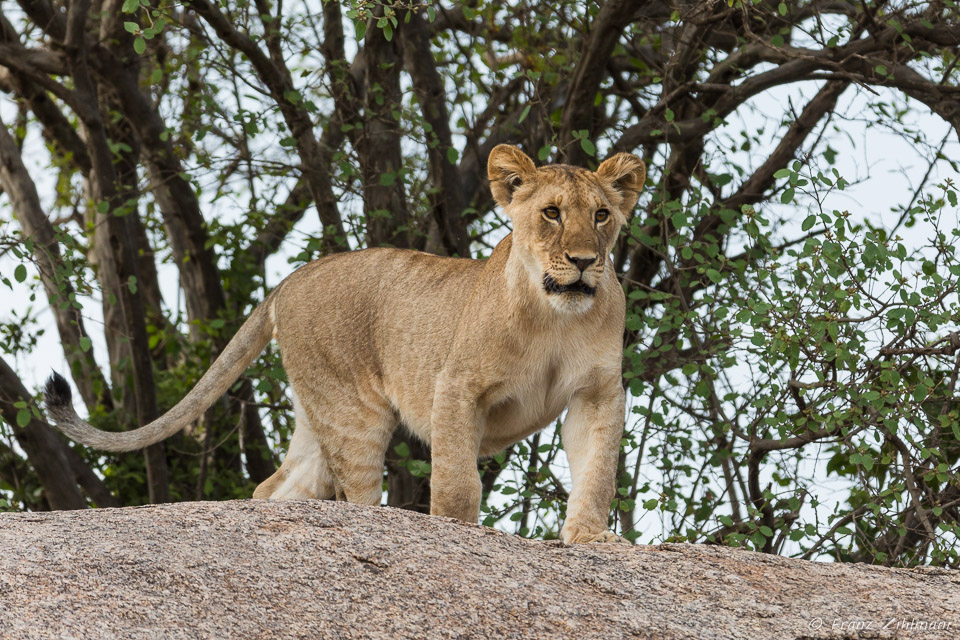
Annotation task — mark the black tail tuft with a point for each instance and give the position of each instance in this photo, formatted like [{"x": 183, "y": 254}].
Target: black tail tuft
[{"x": 57, "y": 392}]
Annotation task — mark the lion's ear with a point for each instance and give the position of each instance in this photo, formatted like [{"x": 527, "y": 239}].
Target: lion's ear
[
  {"x": 508, "y": 168},
  {"x": 626, "y": 173}
]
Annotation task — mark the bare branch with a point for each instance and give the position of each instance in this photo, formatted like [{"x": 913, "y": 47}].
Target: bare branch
[
  {"x": 447, "y": 202},
  {"x": 605, "y": 30},
  {"x": 315, "y": 160}
]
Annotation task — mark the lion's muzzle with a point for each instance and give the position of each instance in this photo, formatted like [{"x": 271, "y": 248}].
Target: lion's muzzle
[{"x": 550, "y": 285}]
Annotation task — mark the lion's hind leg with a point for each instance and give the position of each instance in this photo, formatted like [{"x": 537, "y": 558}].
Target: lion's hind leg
[
  {"x": 355, "y": 432},
  {"x": 305, "y": 473}
]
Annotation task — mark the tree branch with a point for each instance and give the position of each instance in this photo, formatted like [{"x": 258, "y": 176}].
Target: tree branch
[
  {"x": 578, "y": 108},
  {"x": 45, "y": 450},
  {"x": 447, "y": 200},
  {"x": 315, "y": 161},
  {"x": 36, "y": 227}
]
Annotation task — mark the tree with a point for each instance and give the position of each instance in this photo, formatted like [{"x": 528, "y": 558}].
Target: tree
[{"x": 781, "y": 338}]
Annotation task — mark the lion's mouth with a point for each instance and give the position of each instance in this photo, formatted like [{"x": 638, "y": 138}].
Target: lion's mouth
[{"x": 552, "y": 286}]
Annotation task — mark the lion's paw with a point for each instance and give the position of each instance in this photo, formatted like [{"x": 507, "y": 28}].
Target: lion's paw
[
  {"x": 610, "y": 536},
  {"x": 576, "y": 535}
]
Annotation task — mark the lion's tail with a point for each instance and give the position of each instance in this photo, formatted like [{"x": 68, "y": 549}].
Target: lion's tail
[{"x": 246, "y": 345}]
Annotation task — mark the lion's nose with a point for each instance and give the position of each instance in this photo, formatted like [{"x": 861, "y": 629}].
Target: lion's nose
[{"x": 582, "y": 262}]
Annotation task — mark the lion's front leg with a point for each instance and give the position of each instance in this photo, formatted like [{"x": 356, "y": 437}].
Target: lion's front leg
[
  {"x": 455, "y": 489},
  {"x": 591, "y": 438}
]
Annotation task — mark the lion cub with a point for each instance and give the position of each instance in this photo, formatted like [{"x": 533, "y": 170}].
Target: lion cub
[{"x": 471, "y": 355}]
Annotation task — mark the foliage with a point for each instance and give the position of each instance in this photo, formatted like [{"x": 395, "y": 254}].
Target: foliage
[{"x": 791, "y": 349}]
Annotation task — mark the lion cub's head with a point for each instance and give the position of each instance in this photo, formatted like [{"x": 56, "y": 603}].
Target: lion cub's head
[{"x": 565, "y": 219}]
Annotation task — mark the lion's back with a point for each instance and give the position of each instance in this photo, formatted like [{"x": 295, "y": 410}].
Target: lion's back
[{"x": 374, "y": 317}]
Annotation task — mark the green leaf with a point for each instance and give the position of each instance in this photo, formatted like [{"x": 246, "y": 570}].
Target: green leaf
[
  {"x": 419, "y": 468},
  {"x": 85, "y": 343},
  {"x": 777, "y": 40},
  {"x": 787, "y": 196},
  {"x": 587, "y": 146},
  {"x": 132, "y": 27},
  {"x": 782, "y": 173},
  {"x": 452, "y": 155},
  {"x": 132, "y": 284},
  {"x": 808, "y": 223},
  {"x": 929, "y": 268},
  {"x": 881, "y": 70},
  {"x": 782, "y": 8},
  {"x": 524, "y": 114},
  {"x": 668, "y": 115},
  {"x": 23, "y": 417},
  {"x": 714, "y": 275},
  {"x": 139, "y": 45},
  {"x": 20, "y": 273},
  {"x": 129, "y": 6},
  {"x": 388, "y": 32}
]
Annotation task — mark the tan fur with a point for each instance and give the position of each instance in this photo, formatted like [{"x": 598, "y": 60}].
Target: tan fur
[{"x": 471, "y": 355}]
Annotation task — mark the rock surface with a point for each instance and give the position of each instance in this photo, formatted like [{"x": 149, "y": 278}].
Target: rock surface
[{"x": 333, "y": 570}]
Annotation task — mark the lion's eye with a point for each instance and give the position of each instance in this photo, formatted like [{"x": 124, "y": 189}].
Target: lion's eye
[
  {"x": 601, "y": 215},
  {"x": 551, "y": 213}
]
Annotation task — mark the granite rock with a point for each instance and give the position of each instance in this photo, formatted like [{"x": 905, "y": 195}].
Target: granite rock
[{"x": 255, "y": 569}]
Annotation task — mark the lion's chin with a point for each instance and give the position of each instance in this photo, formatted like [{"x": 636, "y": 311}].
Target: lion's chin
[
  {"x": 575, "y": 297},
  {"x": 572, "y": 303}
]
